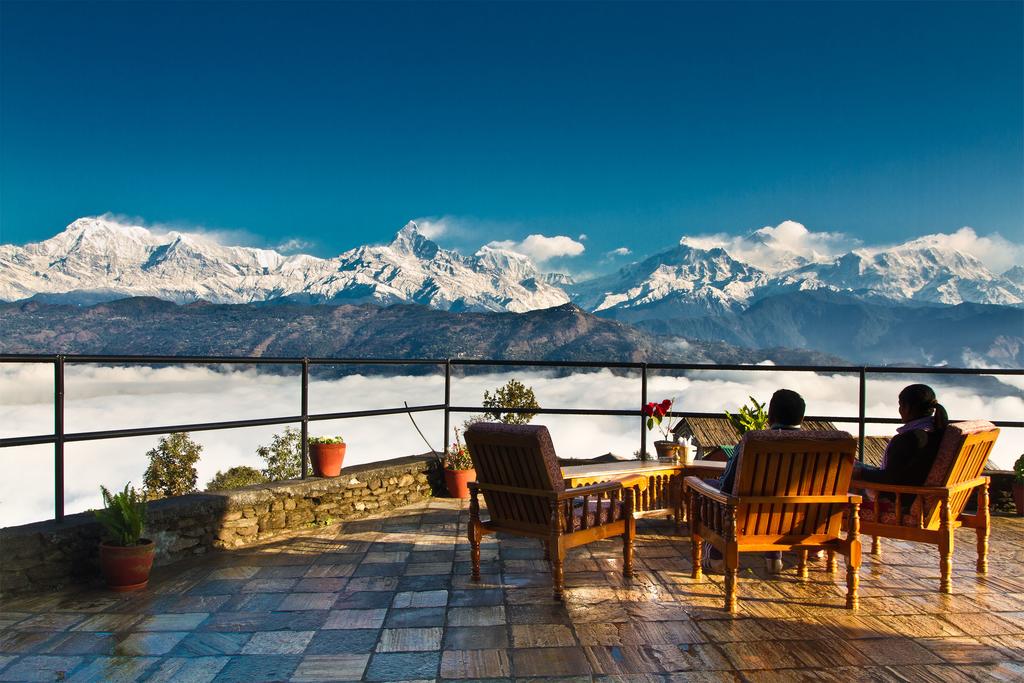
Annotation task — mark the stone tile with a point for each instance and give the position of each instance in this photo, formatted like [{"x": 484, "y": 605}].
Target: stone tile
[
  {"x": 307, "y": 601},
  {"x": 364, "y": 600},
  {"x": 398, "y": 558},
  {"x": 153, "y": 643},
  {"x": 542, "y": 635},
  {"x": 320, "y": 585},
  {"x": 234, "y": 621},
  {"x": 181, "y": 604},
  {"x": 412, "y": 617},
  {"x": 343, "y": 641},
  {"x": 112, "y": 670},
  {"x": 210, "y": 643},
  {"x": 379, "y": 570},
  {"x": 410, "y": 639},
  {"x": 962, "y": 650},
  {"x": 109, "y": 622},
  {"x": 288, "y": 571},
  {"x": 397, "y": 666},
  {"x": 437, "y": 598},
  {"x": 247, "y": 669},
  {"x": 424, "y": 583},
  {"x": 330, "y": 571},
  {"x": 219, "y": 587},
  {"x": 355, "y": 618},
  {"x": 49, "y": 621},
  {"x": 277, "y": 643},
  {"x": 234, "y": 572},
  {"x": 759, "y": 655},
  {"x": 633, "y": 659},
  {"x": 476, "y": 638},
  {"x": 475, "y": 664},
  {"x": 551, "y": 661},
  {"x": 372, "y": 583},
  {"x": 983, "y": 624},
  {"x": 476, "y": 616},
  {"x": 190, "y": 669},
  {"x": 39, "y": 668},
  {"x": 476, "y": 598},
  {"x": 308, "y": 620},
  {"x": 251, "y": 602},
  {"x": 920, "y": 626},
  {"x": 5, "y": 660},
  {"x": 270, "y": 585},
  {"x": 896, "y": 651},
  {"x": 549, "y": 613},
  {"x": 16, "y": 642},
  {"x": 81, "y": 643},
  {"x": 314, "y": 668},
  {"x": 172, "y": 622},
  {"x": 428, "y": 569}
]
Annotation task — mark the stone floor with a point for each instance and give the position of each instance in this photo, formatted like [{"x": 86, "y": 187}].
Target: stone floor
[{"x": 389, "y": 599}]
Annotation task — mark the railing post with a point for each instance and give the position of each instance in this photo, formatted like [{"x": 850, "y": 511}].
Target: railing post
[
  {"x": 305, "y": 417},
  {"x": 643, "y": 402},
  {"x": 447, "y": 403},
  {"x": 58, "y": 442},
  {"x": 863, "y": 404}
]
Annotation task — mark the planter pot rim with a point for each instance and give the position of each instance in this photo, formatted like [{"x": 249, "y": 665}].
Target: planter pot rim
[{"x": 143, "y": 543}]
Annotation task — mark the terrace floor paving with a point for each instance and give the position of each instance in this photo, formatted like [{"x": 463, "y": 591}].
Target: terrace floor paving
[{"x": 390, "y": 598}]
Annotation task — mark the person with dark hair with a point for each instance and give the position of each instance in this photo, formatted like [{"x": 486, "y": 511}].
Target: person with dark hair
[
  {"x": 785, "y": 411},
  {"x": 910, "y": 454}
]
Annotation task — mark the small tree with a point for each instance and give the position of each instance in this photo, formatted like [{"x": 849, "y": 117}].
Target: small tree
[
  {"x": 236, "y": 478},
  {"x": 172, "y": 466},
  {"x": 514, "y": 394},
  {"x": 283, "y": 456},
  {"x": 749, "y": 417}
]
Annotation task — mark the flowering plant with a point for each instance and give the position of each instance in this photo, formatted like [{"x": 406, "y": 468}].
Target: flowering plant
[
  {"x": 457, "y": 456},
  {"x": 656, "y": 413}
]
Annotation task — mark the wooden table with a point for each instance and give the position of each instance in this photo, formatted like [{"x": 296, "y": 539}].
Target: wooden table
[{"x": 657, "y": 486}]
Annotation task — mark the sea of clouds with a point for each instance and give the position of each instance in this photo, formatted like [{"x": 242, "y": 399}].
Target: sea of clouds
[{"x": 100, "y": 398}]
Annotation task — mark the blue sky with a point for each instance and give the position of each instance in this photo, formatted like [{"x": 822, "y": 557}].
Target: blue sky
[{"x": 337, "y": 122}]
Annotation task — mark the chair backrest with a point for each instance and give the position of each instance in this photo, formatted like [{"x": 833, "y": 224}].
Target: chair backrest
[
  {"x": 520, "y": 457},
  {"x": 962, "y": 454},
  {"x": 793, "y": 463}
]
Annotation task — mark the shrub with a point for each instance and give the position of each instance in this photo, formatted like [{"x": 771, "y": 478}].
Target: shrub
[
  {"x": 328, "y": 440},
  {"x": 123, "y": 515},
  {"x": 1018, "y": 470},
  {"x": 172, "y": 466},
  {"x": 749, "y": 417},
  {"x": 236, "y": 478},
  {"x": 514, "y": 394},
  {"x": 283, "y": 456}
]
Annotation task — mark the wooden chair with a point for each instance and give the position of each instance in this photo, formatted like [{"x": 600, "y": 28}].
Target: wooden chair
[
  {"x": 938, "y": 507},
  {"x": 790, "y": 493},
  {"x": 518, "y": 473}
]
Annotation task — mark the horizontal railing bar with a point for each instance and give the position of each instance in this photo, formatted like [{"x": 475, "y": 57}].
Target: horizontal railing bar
[
  {"x": 546, "y": 411},
  {"x": 380, "y": 411}
]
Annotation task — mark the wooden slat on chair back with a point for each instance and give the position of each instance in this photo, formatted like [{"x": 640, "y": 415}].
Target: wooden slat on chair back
[
  {"x": 793, "y": 463},
  {"x": 971, "y": 444},
  {"x": 520, "y": 456}
]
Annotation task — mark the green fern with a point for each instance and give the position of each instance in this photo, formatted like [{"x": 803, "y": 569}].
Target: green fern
[{"x": 123, "y": 516}]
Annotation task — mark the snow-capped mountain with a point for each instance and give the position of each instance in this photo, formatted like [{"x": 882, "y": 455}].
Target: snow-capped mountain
[{"x": 96, "y": 258}]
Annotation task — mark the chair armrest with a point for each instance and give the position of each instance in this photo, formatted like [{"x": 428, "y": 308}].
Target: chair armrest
[
  {"x": 897, "y": 488},
  {"x": 702, "y": 488},
  {"x": 797, "y": 500},
  {"x": 589, "y": 489},
  {"x": 970, "y": 484}
]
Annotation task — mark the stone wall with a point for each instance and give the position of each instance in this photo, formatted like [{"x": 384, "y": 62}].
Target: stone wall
[{"x": 50, "y": 554}]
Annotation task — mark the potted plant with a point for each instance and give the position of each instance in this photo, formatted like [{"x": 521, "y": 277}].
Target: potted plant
[
  {"x": 670, "y": 447},
  {"x": 326, "y": 453},
  {"x": 749, "y": 418},
  {"x": 127, "y": 558},
  {"x": 458, "y": 469},
  {"x": 1018, "y": 485}
]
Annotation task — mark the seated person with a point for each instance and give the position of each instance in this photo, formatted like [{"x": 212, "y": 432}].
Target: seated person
[
  {"x": 785, "y": 411},
  {"x": 910, "y": 454}
]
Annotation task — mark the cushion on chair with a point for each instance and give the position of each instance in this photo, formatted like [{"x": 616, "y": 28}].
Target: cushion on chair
[
  {"x": 591, "y": 511},
  {"x": 784, "y": 435},
  {"x": 949, "y": 449}
]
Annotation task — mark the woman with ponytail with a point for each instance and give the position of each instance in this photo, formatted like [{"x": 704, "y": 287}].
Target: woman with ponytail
[{"x": 909, "y": 456}]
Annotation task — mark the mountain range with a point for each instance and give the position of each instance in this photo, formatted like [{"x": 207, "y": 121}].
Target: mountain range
[{"x": 686, "y": 290}]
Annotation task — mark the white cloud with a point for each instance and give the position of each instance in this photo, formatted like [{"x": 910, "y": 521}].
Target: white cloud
[
  {"x": 995, "y": 251},
  {"x": 583, "y": 237},
  {"x": 225, "y": 237},
  {"x": 542, "y": 248},
  {"x": 96, "y": 400},
  {"x": 432, "y": 229},
  {"x": 621, "y": 251},
  {"x": 293, "y": 245},
  {"x": 777, "y": 248}
]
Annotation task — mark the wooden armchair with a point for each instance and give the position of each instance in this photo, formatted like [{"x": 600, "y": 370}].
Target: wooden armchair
[
  {"x": 790, "y": 493},
  {"x": 938, "y": 506},
  {"x": 518, "y": 474}
]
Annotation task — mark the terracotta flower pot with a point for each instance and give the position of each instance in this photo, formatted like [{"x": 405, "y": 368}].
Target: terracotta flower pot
[
  {"x": 327, "y": 458},
  {"x": 457, "y": 482},
  {"x": 1018, "y": 497},
  {"x": 673, "y": 451},
  {"x": 126, "y": 567}
]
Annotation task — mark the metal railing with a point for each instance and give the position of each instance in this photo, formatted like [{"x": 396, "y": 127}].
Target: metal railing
[{"x": 60, "y": 437}]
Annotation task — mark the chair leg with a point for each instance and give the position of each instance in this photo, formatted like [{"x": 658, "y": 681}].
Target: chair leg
[
  {"x": 876, "y": 546},
  {"x": 627, "y": 547},
  {"x": 831, "y": 562},
  {"x": 697, "y": 553},
  {"x": 983, "y": 529},
  {"x": 475, "y": 533},
  {"x": 801, "y": 567},
  {"x": 852, "y": 585},
  {"x": 731, "y": 572},
  {"x": 557, "y": 574},
  {"x": 945, "y": 550},
  {"x": 853, "y": 558}
]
